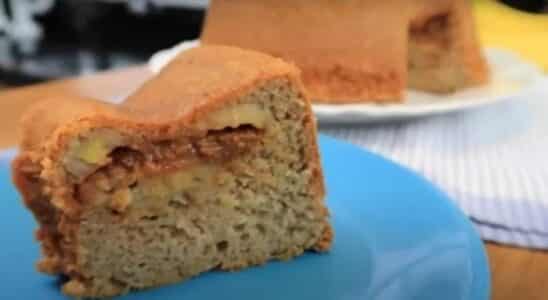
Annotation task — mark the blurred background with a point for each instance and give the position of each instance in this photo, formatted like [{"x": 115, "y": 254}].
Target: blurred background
[{"x": 48, "y": 39}]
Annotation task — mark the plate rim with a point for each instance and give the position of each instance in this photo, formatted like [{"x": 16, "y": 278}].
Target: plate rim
[{"x": 478, "y": 257}]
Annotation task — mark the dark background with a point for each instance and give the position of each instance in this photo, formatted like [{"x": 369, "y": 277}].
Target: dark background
[{"x": 87, "y": 36}]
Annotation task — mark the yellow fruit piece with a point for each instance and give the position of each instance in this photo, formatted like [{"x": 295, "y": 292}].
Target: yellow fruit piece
[
  {"x": 234, "y": 116},
  {"x": 228, "y": 201},
  {"x": 92, "y": 151},
  {"x": 121, "y": 199}
]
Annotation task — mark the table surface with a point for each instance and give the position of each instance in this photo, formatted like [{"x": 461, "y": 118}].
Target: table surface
[{"x": 517, "y": 273}]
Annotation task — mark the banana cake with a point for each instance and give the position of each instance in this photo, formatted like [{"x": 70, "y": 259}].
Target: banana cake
[
  {"x": 212, "y": 164},
  {"x": 358, "y": 50}
]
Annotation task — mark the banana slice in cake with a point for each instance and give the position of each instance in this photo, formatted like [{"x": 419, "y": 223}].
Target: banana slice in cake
[{"x": 211, "y": 164}]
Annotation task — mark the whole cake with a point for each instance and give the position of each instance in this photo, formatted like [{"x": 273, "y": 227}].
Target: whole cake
[
  {"x": 211, "y": 164},
  {"x": 358, "y": 50}
]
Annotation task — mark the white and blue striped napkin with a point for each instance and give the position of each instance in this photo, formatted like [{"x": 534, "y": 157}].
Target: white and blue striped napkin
[{"x": 493, "y": 161}]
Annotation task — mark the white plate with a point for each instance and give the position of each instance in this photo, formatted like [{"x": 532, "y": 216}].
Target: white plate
[
  {"x": 198, "y": 4},
  {"x": 511, "y": 76}
]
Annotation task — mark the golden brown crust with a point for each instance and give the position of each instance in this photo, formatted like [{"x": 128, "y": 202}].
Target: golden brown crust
[
  {"x": 324, "y": 244},
  {"x": 42, "y": 119},
  {"x": 185, "y": 88},
  {"x": 284, "y": 30},
  {"x": 180, "y": 93},
  {"x": 26, "y": 177},
  {"x": 360, "y": 53}
]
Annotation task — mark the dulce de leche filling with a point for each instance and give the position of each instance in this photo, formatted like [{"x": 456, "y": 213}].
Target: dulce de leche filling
[
  {"x": 228, "y": 129},
  {"x": 172, "y": 167}
]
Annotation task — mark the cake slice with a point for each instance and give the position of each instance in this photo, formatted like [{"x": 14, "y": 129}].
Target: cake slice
[
  {"x": 358, "y": 50},
  {"x": 213, "y": 164}
]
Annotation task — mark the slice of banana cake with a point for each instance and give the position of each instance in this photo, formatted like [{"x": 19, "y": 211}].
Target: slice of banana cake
[{"x": 212, "y": 164}]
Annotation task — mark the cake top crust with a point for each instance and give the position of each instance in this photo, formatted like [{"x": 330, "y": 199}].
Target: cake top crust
[{"x": 194, "y": 83}]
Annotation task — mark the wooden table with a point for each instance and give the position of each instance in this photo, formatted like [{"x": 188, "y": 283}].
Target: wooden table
[{"x": 518, "y": 274}]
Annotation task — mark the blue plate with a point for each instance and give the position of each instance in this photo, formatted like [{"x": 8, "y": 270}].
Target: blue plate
[{"x": 396, "y": 237}]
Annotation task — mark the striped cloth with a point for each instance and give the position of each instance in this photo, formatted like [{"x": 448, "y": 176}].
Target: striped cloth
[{"x": 492, "y": 161}]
